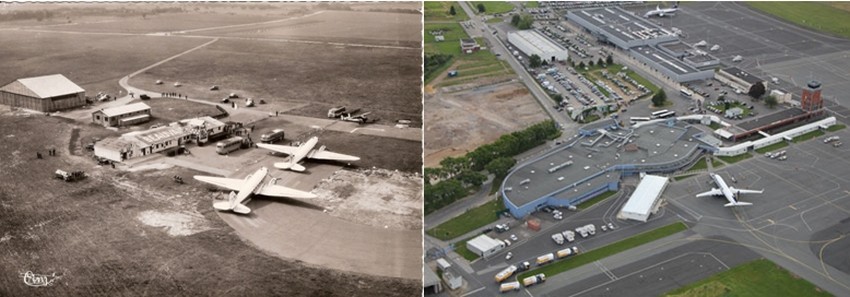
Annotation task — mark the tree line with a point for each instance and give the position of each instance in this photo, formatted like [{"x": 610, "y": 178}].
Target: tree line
[{"x": 459, "y": 175}]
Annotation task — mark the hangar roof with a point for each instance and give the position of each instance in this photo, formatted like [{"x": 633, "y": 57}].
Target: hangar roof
[
  {"x": 536, "y": 41},
  {"x": 43, "y": 86},
  {"x": 647, "y": 191}
]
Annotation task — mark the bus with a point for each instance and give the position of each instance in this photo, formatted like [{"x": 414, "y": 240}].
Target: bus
[
  {"x": 657, "y": 113},
  {"x": 667, "y": 114},
  {"x": 686, "y": 92},
  {"x": 635, "y": 120},
  {"x": 228, "y": 145}
]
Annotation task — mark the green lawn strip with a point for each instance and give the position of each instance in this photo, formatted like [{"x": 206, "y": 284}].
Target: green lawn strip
[
  {"x": 652, "y": 88},
  {"x": 465, "y": 80},
  {"x": 807, "y": 136},
  {"x": 834, "y": 128},
  {"x": 439, "y": 71},
  {"x": 494, "y": 20},
  {"x": 820, "y": 16},
  {"x": 493, "y": 7},
  {"x": 714, "y": 126},
  {"x": 699, "y": 165},
  {"x": 681, "y": 177},
  {"x": 757, "y": 278},
  {"x": 772, "y": 147},
  {"x": 596, "y": 199},
  {"x": 745, "y": 111},
  {"x": 717, "y": 163},
  {"x": 460, "y": 249},
  {"x": 532, "y": 4},
  {"x": 733, "y": 159},
  {"x": 468, "y": 221},
  {"x": 439, "y": 11},
  {"x": 590, "y": 118},
  {"x": 476, "y": 71},
  {"x": 497, "y": 183},
  {"x": 605, "y": 251}
]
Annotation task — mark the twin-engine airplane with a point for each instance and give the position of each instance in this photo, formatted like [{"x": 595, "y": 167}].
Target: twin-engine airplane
[
  {"x": 245, "y": 188},
  {"x": 296, "y": 154},
  {"x": 730, "y": 193}
]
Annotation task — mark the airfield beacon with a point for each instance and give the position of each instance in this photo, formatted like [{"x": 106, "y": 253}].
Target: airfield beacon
[{"x": 811, "y": 100}]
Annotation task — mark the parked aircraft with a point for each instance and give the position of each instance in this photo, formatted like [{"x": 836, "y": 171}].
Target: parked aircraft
[
  {"x": 251, "y": 185},
  {"x": 296, "y": 154},
  {"x": 658, "y": 11},
  {"x": 730, "y": 193}
]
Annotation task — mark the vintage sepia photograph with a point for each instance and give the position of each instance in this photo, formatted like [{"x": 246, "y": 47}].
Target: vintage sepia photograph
[{"x": 211, "y": 149}]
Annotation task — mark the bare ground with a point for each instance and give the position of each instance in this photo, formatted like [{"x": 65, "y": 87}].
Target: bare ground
[
  {"x": 374, "y": 197},
  {"x": 460, "y": 122},
  {"x": 134, "y": 233}
]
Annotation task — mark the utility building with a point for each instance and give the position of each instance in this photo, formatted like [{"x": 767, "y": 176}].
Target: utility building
[
  {"x": 43, "y": 93},
  {"x": 484, "y": 246},
  {"x": 122, "y": 115},
  {"x": 529, "y": 42},
  {"x": 644, "y": 200}
]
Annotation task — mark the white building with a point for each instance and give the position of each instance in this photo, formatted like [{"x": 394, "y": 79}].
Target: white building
[
  {"x": 644, "y": 200},
  {"x": 529, "y": 42},
  {"x": 484, "y": 246}
]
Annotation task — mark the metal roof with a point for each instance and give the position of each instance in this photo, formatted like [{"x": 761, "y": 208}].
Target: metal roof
[
  {"x": 536, "y": 41},
  {"x": 484, "y": 243},
  {"x": 124, "y": 109},
  {"x": 43, "y": 86},
  {"x": 645, "y": 194}
]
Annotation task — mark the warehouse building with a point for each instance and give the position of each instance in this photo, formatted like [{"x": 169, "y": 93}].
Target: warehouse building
[
  {"x": 484, "y": 246},
  {"x": 645, "y": 200},
  {"x": 530, "y": 42},
  {"x": 122, "y": 115},
  {"x": 43, "y": 93},
  {"x": 738, "y": 78}
]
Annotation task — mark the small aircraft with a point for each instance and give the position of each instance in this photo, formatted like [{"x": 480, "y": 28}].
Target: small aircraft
[
  {"x": 296, "y": 154},
  {"x": 251, "y": 185},
  {"x": 357, "y": 118},
  {"x": 662, "y": 12},
  {"x": 730, "y": 193}
]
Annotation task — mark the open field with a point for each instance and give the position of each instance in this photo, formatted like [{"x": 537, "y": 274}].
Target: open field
[
  {"x": 463, "y": 251},
  {"x": 701, "y": 164},
  {"x": 757, "y": 278},
  {"x": 834, "y": 128},
  {"x": 807, "y": 136},
  {"x": 439, "y": 11},
  {"x": 468, "y": 221},
  {"x": 461, "y": 122},
  {"x": 95, "y": 62},
  {"x": 494, "y": 7},
  {"x": 605, "y": 251},
  {"x": 772, "y": 147},
  {"x": 819, "y": 16},
  {"x": 119, "y": 233},
  {"x": 471, "y": 67},
  {"x": 288, "y": 77}
]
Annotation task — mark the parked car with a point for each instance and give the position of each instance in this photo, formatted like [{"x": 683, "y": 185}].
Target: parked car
[{"x": 144, "y": 97}]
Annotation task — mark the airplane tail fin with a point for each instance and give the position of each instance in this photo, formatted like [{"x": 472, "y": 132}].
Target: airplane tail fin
[
  {"x": 290, "y": 166},
  {"x": 737, "y": 204},
  {"x": 226, "y": 205}
]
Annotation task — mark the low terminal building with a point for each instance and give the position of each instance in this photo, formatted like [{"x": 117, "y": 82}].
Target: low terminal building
[
  {"x": 469, "y": 45},
  {"x": 530, "y": 42},
  {"x": 120, "y": 116},
  {"x": 645, "y": 199},
  {"x": 738, "y": 78},
  {"x": 43, "y": 93},
  {"x": 484, "y": 245}
]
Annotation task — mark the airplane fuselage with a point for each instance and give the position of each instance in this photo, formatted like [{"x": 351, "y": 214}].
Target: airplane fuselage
[
  {"x": 252, "y": 181},
  {"x": 304, "y": 150},
  {"x": 721, "y": 184}
]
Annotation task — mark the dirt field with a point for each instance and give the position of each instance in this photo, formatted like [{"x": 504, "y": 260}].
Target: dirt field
[
  {"x": 460, "y": 122},
  {"x": 384, "y": 81},
  {"x": 119, "y": 233},
  {"x": 380, "y": 198}
]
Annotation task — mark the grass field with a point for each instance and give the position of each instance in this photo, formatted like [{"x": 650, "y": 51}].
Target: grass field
[
  {"x": 807, "y": 136},
  {"x": 468, "y": 221},
  {"x": 587, "y": 204},
  {"x": 494, "y": 20},
  {"x": 714, "y": 126},
  {"x": 836, "y": 127},
  {"x": 681, "y": 177},
  {"x": 480, "y": 64},
  {"x": 772, "y": 147},
  {"x": 439, "y": 11},
  {"x": 701, "y": 164},
  {"x": 531, "y": 4},
  {"x": 733, "y": 159},
  {"x": 819, "y": 16},
  {"x": 460, "y": 248},
  {"x": 722, "y": 107},
  {"x": 757, "y": 278},
  {"x": 605, "y": 251},
  {"x": 493, "y": 7},
  {"x": 717, "y": 163}
]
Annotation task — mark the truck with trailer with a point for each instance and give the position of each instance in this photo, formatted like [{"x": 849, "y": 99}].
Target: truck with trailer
[
  {"x": 507, "y": 287},
  {"x": 542, "y": 260},
  {"x": 567, "y": 252},
  {"x": 523, "y": 266},
  {"x": 534, "y": 279},
  {"x": 506, "y": 273}
]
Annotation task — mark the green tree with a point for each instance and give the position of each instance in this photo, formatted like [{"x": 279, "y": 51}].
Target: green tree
[
  {"x": 609, "y": 60},
  {"x": 515, "y": 20},
  {"x": 500, "y": 166},
  {"x": 557, "y": 97},
  {"x": 452, "y": 10},
  {"x": 581, "y": 65},
  {"x": 599, "y": 62},
  {"x": 771, "y": 101},
  {"x": 471, "y": 178},
  {"x": 481, "y": 8},
  {"x": 534, "y": 61},
  {"x": 757, "y": 90},
  {"x": 432, "y": 172},
  {"x": 590, "y": 64},
  {"x": 659, "y": 98}
]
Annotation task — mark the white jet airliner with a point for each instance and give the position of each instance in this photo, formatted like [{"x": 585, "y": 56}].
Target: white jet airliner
[
  {"x": 662, "y": 12},
  {"x": 296, "y": 154},
  {"x": 730, "y": 193},
  {"x": 251, "y": 185}
]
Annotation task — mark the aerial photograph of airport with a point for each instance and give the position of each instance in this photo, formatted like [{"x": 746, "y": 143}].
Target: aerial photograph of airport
[
  {"x": 211, "y": 149},
  {"x": 631, "y": 148}
]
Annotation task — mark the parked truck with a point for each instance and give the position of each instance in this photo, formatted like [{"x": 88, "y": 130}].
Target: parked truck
[
  {"x": 569, "y": 235},
  {"x": 506, "y": 273},
  {"x": 523, "y": 266},
  {"x": 545, "y": 259},
  {"x": 511, "y": 286},
  {"x": 567, "y": 252},
  {"x": 558, "y": 238},
  {"x": 535, "y": 279}
]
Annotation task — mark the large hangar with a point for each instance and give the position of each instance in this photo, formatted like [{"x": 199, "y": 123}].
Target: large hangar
[
  {"x": 43, "y": 93},
  {"x": 645, "y": 198},
  {"x": 530, "y": 42}
]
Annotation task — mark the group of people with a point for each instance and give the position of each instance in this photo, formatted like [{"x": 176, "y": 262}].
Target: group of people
[
  {"x": 172, "y": 94},
  {"x": 50, "y": 152}
]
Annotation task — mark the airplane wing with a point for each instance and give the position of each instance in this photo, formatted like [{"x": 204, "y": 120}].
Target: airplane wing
[
  {"x": 326, "y": 155},
  {"x": 745, "y": 191},
  {"x": 713, "y": 192},
  {"x": 281, "y": 191},
  {"x": 229, "y": 183},
  {"x": 289, "y": 150}
]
